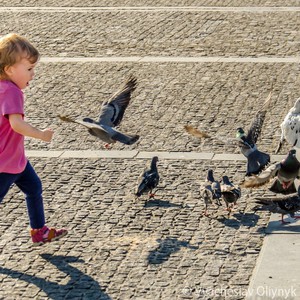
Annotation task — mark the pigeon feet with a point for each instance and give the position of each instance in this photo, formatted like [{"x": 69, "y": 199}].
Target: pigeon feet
[
  {"x": 229, "y": 210},
  {"x": 205, "y": 214},
  {"x": 107, "y": 146}
]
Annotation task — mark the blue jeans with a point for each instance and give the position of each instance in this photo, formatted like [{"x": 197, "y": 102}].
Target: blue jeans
[{"x": 30, "y": 184}]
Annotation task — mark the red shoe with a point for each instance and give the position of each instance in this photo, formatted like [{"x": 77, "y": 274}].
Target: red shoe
[{"x": 46, "y": 235}]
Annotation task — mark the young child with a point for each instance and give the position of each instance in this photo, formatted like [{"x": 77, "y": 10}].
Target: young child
[{"x": 18, "y": 58}]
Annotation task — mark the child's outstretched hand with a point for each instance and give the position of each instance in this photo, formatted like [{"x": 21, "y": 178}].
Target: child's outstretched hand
[{"x": 47, "y": 135}]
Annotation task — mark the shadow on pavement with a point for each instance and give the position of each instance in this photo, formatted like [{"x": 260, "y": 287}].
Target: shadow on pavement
[
  {"x": 240, "y": 219},
  {"x": 276, "y": 227},
  {"x": 162, "y": 203},
  {"x": 79, "y": 286},
  {"x": 165, "y": 248}
]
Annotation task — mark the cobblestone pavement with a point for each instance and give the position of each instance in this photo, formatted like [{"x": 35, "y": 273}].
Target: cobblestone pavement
[
  {"x": 120, "y": 247},
  {"x": 158, "y": 33},
  {"x": 117, "y": 3},
  {"x": 213, "y": 96}
]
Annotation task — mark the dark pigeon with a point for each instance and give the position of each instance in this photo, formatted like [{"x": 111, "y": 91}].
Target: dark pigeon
[
  {"x": 256, "y": 160},
  {"x": 148, "y": 180}
]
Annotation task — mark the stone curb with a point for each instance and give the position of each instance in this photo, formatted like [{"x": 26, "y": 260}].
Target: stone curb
[
  {"x": 251, "y": 9},
  {"x": 139, "y": 155},
  {"x": 170, "y": 59}
]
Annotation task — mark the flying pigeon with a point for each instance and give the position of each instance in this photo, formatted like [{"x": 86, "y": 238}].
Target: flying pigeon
[
  {"x": 284, "y": 205},
  {"x": 290, "y": 127},
  {"x": 148, "y": 180},
  {"x": 210, "y": 191},
  {"x": 230, "y": 193},
  {"x": 284, "y": 172},
  {"x": 256, "y": 160},
  {"x": 111, "y": 115}
]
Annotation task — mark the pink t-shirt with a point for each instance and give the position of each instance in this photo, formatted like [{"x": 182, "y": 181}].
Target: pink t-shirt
[{"x": 12, "y": 152}]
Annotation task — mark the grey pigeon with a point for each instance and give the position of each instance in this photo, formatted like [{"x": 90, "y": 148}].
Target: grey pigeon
[
  {"x": 148, "y": 180},
  {"x": 256, "y": 160},
  {"x": 290, "y": 127},
  {"x": 284, "y": 172},
  {"x": 111, "y": 115},
  {"x": 284, "y": 205},
  {"x": 230, "y": 193},
  {"x": 210, "y": 191}
]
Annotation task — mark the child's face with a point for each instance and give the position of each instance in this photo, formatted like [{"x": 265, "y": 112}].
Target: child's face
[{"x": 21, "y": 73}]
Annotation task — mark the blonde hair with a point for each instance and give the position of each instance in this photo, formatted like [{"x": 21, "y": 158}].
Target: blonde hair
[{"x": 13, "y": 48}]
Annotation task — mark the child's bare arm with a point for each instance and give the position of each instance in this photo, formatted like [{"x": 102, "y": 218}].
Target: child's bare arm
[{"x": 20, "y": 126}]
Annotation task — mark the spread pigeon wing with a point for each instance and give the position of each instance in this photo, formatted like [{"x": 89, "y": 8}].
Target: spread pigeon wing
[
  {"x": 278, "y": 198},
  {"x": 257, "y": 123},
  {"x": 112, "y": 111},
  {"x": 263, "y": 178},
  {"x": 283, "y": 205}
]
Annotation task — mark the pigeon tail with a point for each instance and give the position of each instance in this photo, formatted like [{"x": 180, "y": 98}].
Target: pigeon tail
[
  {"x": 231, "y": 197},
  {"x": 142, "y": 188},
  {"x": 116, "y": 135},
  {"x": 256, "y": 162},
  {"x": 131, "y": 139},
  {"x": 139, "y": 193},
  {"x": 210, "y": 176}
]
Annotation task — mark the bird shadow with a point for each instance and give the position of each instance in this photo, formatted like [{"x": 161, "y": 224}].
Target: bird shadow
[
  {"x": 165, "y": 248},
  {"x": 276, "y": 227},
  {"x": 240, "y": 219},
  {"x": 162, "y": 203},
  {"x": 80, "y": 285}
]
